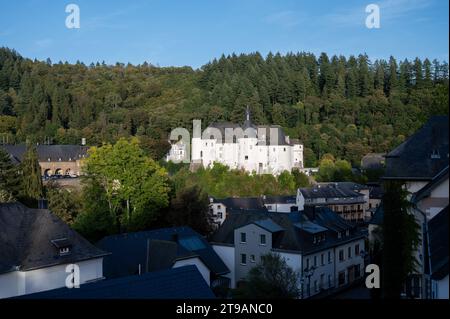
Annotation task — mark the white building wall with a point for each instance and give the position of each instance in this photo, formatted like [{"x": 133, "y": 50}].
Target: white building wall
[
  {"x": 27, "y": 282},
  {"x": 219, "y": 212},
  {"x": 323, "y": 273},
  {"x": 196, "y": 149},
  {"x": 347, "y": 262},
  {"x": 246, "y": 154},
  {"x": 227, "y": 254},
  {"x": 440, "y": 288},
  {"x": 204, "y": 271},
  {"x": 279, "y": 208}
]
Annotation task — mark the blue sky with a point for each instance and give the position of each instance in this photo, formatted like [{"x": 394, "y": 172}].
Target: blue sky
[{"x": 193, "y": 32}]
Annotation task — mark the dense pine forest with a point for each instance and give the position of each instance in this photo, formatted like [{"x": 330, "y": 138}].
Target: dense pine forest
[{"x": 345, "y": 106}]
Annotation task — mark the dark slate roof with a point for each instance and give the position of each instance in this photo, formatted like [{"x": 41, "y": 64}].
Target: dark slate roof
[
  {"x": 438, "y": 232},
  {"x": 331, "y": 191},
  {"x": 26, "y": 237},
  {"x": 289, "y": 199},
  {"x": 297, "y": 229},
  {"x": 66, "y": 153},
  {"x": 241, "y": 202},
  {"x": 268, "y": 225},
  {"x": 164, "y": 246},
  {"x": 177, "y": 283},
  {"x": 253, "y": 131},
  {"x": 427, "y": 189},
  {"x": 375, "y": 191},
  {"x": 377, "y": 218},
  {"x": 413, "y": 159},
  {"x": 345, "y": 186}
]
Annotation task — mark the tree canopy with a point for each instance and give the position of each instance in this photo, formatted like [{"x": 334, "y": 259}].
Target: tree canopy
[
  {"x": 346, "y": 106},
  {"x": 134, "y": 186}
]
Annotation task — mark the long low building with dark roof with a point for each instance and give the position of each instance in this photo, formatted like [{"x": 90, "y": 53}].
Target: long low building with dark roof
[
  {"x": 326, "y": 249},
  {"x": 59, "y": 160},
  {"x": 36, "y": 247}
]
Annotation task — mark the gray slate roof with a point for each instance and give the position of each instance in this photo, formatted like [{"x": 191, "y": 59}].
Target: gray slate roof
[
  {"x": 26, "y": 239},
  {"x": 241, "y": 202},
  {"x": 67, "y": 153},
  {"x": 378, "y": 217},
  {"x": 178, "y": 283},
  {"x": 288, "y": 199},
  {"x": 296, "y": 229},
  {"x": 330, "y": 191},
  {"x": 423, "y": 155},
  {"x": 438, "y": 228},
  {"x": 164, "y": 246},
  {"x": 253, "y": 131}
]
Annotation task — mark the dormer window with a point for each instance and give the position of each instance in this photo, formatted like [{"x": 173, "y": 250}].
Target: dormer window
[
  {"x": 435, "y": 154},
  {"x": 64, "y": 251},
  {"x": 63, "y": 245}
]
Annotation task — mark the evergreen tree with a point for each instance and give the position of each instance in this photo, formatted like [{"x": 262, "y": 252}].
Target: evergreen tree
[
  {"x": 9, "y": 175},
  {"x": 400, "y": 233},
  {"x": 32, "y": 189}
]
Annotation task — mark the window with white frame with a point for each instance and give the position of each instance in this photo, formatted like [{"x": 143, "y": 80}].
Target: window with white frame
[
  {"x": 262, "y": 239},
  {"x": 243, "y": 259}
]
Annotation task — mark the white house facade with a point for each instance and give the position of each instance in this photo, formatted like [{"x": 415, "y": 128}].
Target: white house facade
[
  {"x": 39, "y": 252},
  {"x": 324, "y": 258}
]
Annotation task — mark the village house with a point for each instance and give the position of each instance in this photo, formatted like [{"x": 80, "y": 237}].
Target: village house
[
  {"x": 325, "y": 249},
  {"x": 35, "y": 249},
  {"x": 421, "y": 164}
]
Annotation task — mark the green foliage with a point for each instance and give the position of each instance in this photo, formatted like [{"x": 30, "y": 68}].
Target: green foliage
[
  {"x": 32, "y": 189},
  {"x": 331, "y": 170},
  {"x": 10, "y": 184},
  {"x": 64, "y": 203},
  {"x": 135, "y": 187},
  {"x": 300, "y": 179},
  {"x": 400, "y": 236},
  {"x": 216, "y": 182},
  {"x": 271, "y": 278},
  {"x": 95, "y": 221},
  {"x": 190, "y": 207},
  {"x": 344, "y": 106}
]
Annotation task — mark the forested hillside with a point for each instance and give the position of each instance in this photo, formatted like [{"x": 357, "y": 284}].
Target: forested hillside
[{"x": 344, "y": 106}]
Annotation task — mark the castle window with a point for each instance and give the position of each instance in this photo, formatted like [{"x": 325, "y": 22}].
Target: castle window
[{"x": 246, "y": 157}]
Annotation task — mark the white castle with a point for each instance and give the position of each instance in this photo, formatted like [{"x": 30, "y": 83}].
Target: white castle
[{"x": 261, "y": 149}]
